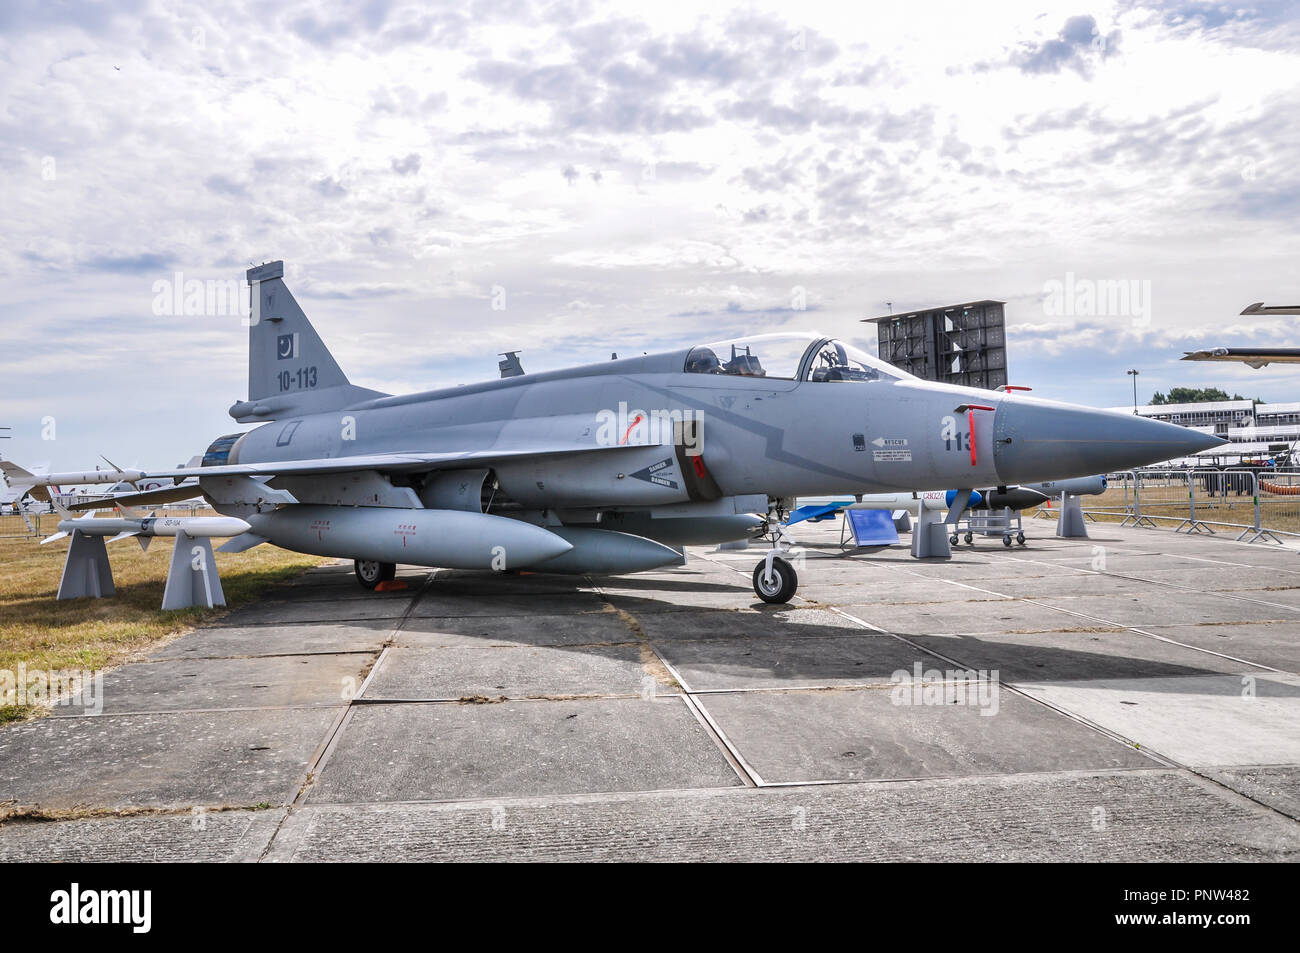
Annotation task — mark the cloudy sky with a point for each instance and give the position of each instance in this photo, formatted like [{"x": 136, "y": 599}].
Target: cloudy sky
[{"x": 627, "y": 178}]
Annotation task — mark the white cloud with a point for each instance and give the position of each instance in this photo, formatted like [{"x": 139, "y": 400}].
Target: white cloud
[{"x": 405, "y": 160}]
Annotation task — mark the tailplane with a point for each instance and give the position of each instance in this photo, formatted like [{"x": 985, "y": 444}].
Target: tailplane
[{"x": 290, "y": 370}]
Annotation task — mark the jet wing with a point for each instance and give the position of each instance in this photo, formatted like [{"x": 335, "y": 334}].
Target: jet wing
[
  {"x": 171, "y": 494},
  {"x": 382, "y": 462},
  {"x": 1256, "y": 357}
]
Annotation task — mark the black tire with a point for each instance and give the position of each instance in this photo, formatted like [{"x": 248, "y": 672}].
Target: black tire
[
  {"x": 371, "y": 573},
  {"x": 970, "y": 539},
  {"x": 1020, "y": 538},
  {"x": 784, "y": 583},
  {"x": 952, "y": 540},
  {"x": 1006, "y": 540}
]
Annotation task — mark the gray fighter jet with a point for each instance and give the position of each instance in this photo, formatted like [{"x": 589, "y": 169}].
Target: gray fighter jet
[{"x": 613, "y": 467}]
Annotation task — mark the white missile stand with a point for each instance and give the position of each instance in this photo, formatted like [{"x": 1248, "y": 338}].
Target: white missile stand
[
  {"x": 192, "y": 579},
  {"x": 930, "y": 535},
  {"x": 86, "y": 571},
  {"x": 1071, "y": 523}
]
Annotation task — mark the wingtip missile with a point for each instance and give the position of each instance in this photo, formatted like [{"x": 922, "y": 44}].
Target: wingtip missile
[{"x": 1260, "y": 308}]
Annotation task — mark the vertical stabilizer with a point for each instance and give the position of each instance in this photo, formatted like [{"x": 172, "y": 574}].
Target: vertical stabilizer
[{"x": 290, "y": 370}]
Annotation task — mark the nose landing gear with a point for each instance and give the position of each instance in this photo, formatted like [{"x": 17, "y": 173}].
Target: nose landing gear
[{"x": 775, "y": 580}]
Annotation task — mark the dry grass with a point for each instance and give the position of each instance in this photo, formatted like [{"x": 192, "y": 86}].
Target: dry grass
[{"x": 94, "y": 634}]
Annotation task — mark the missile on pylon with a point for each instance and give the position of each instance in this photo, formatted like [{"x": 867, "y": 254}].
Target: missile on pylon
[{"x": 1079, "y": 486}]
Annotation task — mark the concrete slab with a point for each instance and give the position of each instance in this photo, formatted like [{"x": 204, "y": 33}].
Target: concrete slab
[
  {"x": 439, "y": 603},
  {"x": 449, "y": 750},
  {"x": 517, "y": 672},
  {"x": 225, "y": 641},
  {"x": 199, "y": 837},
  {"x": 465, "y": 583},
  {"x": 1274, "y": 595},
  {"x": 380, "y": 605},
  {"x": 582, "y": 628},
  {"x": 776, "y": 661},
  {"x": 778, "y": 621},
  {"x": 1207, "y": 577},
  {"x": 1200, "y": 721},
  {"x": 1076, "y": 584},
  {"x": 1004, "y": 615},
  {"x": 1161, "y": 606},
  {"x": 863, "y": 735},
  {"x": 193, "y": 684},
  {"x": 1118, "y": 559},
  {"x": 1276, "y": 645},
  {"x": 160, "y": 760},
  {"x": 342, "y": 591},
  {"x": 1071, "y": 656},
  {"x": 1278, "y": 787},
  {"x": 898, "y": 590},
  {"x": 1135, "y": 816},
  {"x": 722, "y": 596},
  {"x": 974, "y": 569}
]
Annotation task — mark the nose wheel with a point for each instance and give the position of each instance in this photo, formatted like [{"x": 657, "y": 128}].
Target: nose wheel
[
  {"x": 371, "y": 573},
  {"x": 776, "y": 584}
]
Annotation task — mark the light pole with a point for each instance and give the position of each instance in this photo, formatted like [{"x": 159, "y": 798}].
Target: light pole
[{"x": 1134, "y": 375}]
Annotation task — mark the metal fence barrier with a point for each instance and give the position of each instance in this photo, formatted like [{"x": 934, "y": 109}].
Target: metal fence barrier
[
  {"x": 16, "y": 527},
  {"x": 1255, "y": 505}
]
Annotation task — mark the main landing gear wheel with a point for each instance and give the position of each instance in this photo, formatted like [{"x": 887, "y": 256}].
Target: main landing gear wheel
[
  {"x": 371, "y": 573},
  {"x": 783, "y": 584}
]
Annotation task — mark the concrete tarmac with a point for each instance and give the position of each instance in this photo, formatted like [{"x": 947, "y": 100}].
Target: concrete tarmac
[{"x": 1134, "y": 696}]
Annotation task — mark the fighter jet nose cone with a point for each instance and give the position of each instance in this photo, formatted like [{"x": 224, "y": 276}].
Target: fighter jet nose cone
[
  {"x": 1036, "y": 438},
  {"x": 1207, "y": 441}
]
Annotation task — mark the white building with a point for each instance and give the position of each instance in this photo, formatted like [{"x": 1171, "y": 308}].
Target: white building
[{"x": 1255, "y": 431}]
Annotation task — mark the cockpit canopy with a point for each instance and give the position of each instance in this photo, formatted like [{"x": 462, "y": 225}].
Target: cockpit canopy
[{"x": 790, "y": 357}]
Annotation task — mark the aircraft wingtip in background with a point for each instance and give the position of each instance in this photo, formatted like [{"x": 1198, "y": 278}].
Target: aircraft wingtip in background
[
  {"x": 1260, "y": 308},
  {"x": 1255, "y": 357}
]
